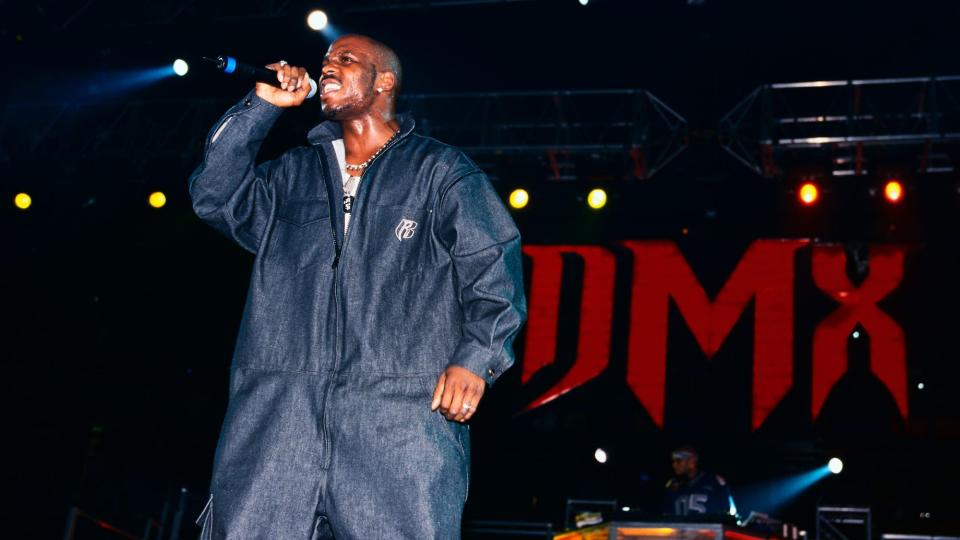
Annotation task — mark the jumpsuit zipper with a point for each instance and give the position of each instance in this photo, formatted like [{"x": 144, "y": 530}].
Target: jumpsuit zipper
[
  {"x": 324, "y": 428},
  {"x": 339, "y": 338}
]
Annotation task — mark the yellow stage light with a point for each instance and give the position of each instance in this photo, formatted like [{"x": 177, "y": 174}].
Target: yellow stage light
[
  {"x": 157, "y": 199},
  {"x": 22, "y": 201},
  {"x": 597, "y": 199},
  {"x": 519, "y": 198}
]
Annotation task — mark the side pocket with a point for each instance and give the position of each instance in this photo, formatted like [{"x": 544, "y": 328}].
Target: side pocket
[
  {"x": 205, "y": 520},
  {"x": 463, "y": 437}
]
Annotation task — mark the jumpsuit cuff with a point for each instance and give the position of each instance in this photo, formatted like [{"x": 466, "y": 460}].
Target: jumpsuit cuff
[{"x": 480, "y": 361}]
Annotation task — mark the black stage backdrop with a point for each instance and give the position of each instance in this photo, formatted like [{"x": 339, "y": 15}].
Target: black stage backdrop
[{"x": 119, "y": 320}]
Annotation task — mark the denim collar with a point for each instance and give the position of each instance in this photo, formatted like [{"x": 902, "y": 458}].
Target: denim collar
[{"x": 330, "y": 130}]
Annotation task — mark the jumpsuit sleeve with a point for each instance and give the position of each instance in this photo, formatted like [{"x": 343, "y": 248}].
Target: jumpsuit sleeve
[
  {"x": 484, "y": 245},
  {"x": 229, "y": 191}
]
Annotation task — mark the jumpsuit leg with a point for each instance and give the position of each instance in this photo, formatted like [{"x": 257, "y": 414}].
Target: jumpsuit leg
[
  {"x": 268, "y": 480},
  {"x": 398, "y": 470}
]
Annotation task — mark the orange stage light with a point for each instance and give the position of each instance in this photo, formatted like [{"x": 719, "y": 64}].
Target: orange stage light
[
  {"x": 809, "y": 193},
  {"x": 893, "y": 191}
]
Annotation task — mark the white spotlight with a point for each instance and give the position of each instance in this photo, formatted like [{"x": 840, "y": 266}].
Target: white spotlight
[
  {"x": 180, "y": 67},
  {"x": 584, "y": 2},
  {"x": 317, "y": 20},
  {"x": 600, "y": 455},
  {"x": 920, "y": 386},
  {"x": 835, "y": 465},
  {"x": 856, "y": 334}
]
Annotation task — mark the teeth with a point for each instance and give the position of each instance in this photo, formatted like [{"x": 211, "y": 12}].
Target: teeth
[{"x": 330, "y": 87}]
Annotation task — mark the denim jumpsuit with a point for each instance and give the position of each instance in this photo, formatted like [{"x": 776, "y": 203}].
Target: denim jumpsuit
[{"x": 328, "y": 432}]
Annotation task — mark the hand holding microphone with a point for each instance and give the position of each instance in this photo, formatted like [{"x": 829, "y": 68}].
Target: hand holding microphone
[
  {"x": 281, "y": 84},
  {"x": 295, "y": 86}
]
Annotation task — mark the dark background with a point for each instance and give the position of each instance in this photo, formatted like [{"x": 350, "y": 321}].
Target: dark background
[{"x": 119, "y": 320}]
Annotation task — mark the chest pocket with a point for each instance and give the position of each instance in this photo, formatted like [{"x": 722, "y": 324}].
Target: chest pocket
[
  {"x": 400, "y": 232},
  {"x": 302, "y": 235},
  {"x": 303, "y": 212}
]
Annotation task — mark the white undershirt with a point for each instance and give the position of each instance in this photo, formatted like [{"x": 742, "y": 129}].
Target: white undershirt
[{"x": 340, "y": 150}]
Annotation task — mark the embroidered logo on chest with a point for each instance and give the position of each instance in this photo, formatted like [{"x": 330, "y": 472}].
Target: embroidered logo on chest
[{"x": 405, "y": 229}]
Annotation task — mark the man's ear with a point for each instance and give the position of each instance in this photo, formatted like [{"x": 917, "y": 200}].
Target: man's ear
[{"x": 386, "y": 80}]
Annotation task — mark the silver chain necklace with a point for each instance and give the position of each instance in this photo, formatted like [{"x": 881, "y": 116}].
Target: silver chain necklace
[
  {"x": 354, "y": 172},
  {"x": 362, "y": 166}
]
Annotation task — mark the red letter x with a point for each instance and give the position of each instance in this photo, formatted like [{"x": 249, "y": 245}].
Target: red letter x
[{"x": 858, "y": 305}]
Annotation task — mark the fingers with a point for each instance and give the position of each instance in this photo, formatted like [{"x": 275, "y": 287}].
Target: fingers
[
  {"x": 460, "y": 395},
  {"x": 291, "y": 78},
  {"x": 446, "y": 400},
  {"x": 471, "y": 397},
  {"x": 293, "y": 82},
  {"x": 455, "y": 412},
  {"x": 438, "y": 392}
]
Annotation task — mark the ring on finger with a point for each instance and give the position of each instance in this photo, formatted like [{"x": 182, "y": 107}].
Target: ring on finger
[{"x": 467, "y": 406}]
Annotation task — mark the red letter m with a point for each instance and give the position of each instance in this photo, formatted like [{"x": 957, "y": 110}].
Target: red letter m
[{"x": 660, "y": 272}]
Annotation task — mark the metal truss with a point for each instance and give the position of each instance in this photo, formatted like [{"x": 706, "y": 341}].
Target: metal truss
[
  {"x": 574, "y": 134},
  {"x": 132, "y": 135},
  {"x": 60, "y": 15},
  {"x": 846, "y": 126},
  {"x": 55, "y": 16},
  {"x": 559, "y": 135},
  {"x": 367, "y": 6}
]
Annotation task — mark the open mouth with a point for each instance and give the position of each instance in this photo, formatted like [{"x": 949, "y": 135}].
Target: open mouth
[{"x": 328, "y": 86}]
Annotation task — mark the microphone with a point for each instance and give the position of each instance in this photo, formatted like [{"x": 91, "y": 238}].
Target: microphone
[{"x": 230, "y": 65}]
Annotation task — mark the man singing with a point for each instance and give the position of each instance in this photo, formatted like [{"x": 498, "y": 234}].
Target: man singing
[{"x": 385, "y": 295}]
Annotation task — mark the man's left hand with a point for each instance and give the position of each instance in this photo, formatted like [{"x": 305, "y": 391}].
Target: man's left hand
[{"x": 458, "y": 393}]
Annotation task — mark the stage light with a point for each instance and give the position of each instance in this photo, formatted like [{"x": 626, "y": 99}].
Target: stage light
[
  {"x": 809, "y": 193},
  {"x": 180, "y": 67},
  {"x": 519, "y": 198},
  {"x": 22, "y": 201},
  {"x": 920, "y": 386},
  {"x": 597, "y": 199},
  {"x": 893, "y": 191},
  {"x": 771, "y": 495},
  {"x": 856, "y": 334},
  {"x": 317, "y": 20},
  {"x": 600, "y": 455},
  {"x": 157, "y": 199},
  {"x": 584, "y": 2},
  {"x": 835, "y": 465}
]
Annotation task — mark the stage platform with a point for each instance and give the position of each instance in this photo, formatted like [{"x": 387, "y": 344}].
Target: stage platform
[{"x": 639, "y": 530}]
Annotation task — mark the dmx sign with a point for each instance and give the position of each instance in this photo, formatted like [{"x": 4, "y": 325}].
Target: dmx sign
[{"x": 763, "y": 279}]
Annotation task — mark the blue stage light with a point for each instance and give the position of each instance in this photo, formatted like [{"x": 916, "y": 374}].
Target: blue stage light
[
  {"x": 317, "y": 20},
  {"x": 180, "y": 67},
  {"x": 835, "y": 465},
  {"x": 769, "y": 497},
  {"x": 112, "y": 83}
]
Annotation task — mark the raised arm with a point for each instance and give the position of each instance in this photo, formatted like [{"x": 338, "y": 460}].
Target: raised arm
[{"x": 229, "y": 191}]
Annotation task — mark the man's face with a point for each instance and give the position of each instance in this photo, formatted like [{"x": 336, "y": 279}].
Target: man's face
[
  {"x": 684, "y": 463},
  {"x": 348, "y": 80}
]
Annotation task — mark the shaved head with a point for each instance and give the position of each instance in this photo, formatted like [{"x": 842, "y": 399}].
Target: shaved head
[
  {"x": 384, "y": 58},
  {"x": 360, "y": 76}
]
